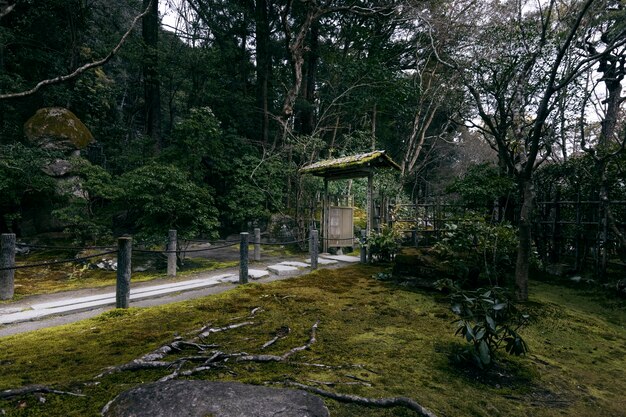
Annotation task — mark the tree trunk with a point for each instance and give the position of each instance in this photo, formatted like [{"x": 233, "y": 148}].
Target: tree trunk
[
  {"x": 152, "y": 88},
  {"x": 522, "y": 265},
  {"x": 264, "y": 65},
  {"x": 307, "y": 113},
  {"x": 374, "y": 116}
]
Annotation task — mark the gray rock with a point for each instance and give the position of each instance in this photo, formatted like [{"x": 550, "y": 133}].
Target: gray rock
[
  {"x": 58, "y": 168},
  {"x": 216, "y": 399}
]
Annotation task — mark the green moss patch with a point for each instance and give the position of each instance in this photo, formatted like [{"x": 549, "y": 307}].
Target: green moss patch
[{"x": 400, "y": 339}]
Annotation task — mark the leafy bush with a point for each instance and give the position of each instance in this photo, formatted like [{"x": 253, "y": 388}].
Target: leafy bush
[
  {"x": 384, "y": 245},
  {"x": 472, "y": 246},
  {"x": 88, "y": 217},
  {"x": 161, "y": 197},
  {"x": 488, "y": 319}
]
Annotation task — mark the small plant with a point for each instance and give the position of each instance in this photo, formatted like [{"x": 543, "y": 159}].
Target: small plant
[
  {"x": 384, "y": 245},
  {"x": 488, "y": 320}
]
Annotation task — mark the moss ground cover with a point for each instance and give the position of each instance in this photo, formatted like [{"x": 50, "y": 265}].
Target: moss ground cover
[{"x": 400, "y": 337}]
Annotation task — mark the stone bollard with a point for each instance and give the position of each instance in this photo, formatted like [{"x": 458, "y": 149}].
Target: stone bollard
[
  {"x": 363, "y": 247},
  {"x": 124, "y": 254},
  {"x": 313, "y": 247},
  {"x": 171, "y": 255},
  {"x": 257, "y": 244},
  {"x": 7, "y": 260},
  {"x": 243, "y": 258}
]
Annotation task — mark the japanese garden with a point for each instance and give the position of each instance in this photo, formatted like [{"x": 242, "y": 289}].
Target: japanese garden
[{"x": 312, "y": 208}]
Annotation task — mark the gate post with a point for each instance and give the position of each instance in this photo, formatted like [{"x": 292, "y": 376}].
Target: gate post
[
  {"x": 7, "y": 260},
  {"x": 243, "y": 258},
  {"x": 171, "y": 253},
  {"x": 124, "y": 254},
  {"x": 257, "y": 244},
  {"x": 313, "y": 247}
]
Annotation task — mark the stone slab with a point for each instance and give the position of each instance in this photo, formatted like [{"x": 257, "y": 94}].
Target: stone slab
[
  {"x": 257, "y": 273},
  {"x": 342, "y": 258},
  {"x": 282, "y": 270},
  {"x": 296, "y": 264},
  {"x": 217, "y": 399},
  {"x": 323, "y": 261},
  {"x": 229, "y": 278}
]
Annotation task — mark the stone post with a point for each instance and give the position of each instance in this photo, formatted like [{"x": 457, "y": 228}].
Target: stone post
[
  {"x": 243, "y": 258},
  {"x": 171, "y": 255},
  {"x": 363, "y": 247},
  {"x": 313, "y": 247},
  {"x": 257, "y": 244},
  {"x": 124, "y": 253},
  {"x": 7, "y": 260}
]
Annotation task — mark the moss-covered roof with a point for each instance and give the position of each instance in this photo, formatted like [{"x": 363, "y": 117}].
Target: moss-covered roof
[{"x": 352, "y": 166}]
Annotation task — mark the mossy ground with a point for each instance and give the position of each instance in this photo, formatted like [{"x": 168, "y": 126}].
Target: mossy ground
[{"x": 401, "y": 337}]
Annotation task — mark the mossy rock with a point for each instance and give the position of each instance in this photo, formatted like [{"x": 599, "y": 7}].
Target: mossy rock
[{"x": 57, "y": 128}]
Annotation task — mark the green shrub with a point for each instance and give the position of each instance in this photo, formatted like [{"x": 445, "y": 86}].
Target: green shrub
[
  {"x": 384, "y": 245},
  {"x": 472, "y": 246},
  {"x": 488, "y": 320},
  {"x": 88, "y": 216},
  {"x": 162, "y": 197}
]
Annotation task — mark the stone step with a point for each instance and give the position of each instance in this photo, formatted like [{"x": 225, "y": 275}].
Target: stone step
[
  {"x": 342, "y": 258},
  {"x": 282, "y": 270},
  {"x": 322, "y": 261},
  {"x": 257, "y": 273},
  {"x": 295, "y": 264}
]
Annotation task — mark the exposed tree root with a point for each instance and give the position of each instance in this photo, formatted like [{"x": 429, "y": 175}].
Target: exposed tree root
[
  {"x": 154, "y": 359},
  {"x": 332, "y": 384},
  {"x": 205, "y": 332},
  {"x": 34, "y": 389},
  {"x": 281, "y": 333},
  {"x": 286, "y": 355},
  {"x": 370, "y": 402}
]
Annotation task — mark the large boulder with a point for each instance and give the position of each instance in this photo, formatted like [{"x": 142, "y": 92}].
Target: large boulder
[
  {"x": 215, "y": 399},
  {"x": 57, "y": 128}
]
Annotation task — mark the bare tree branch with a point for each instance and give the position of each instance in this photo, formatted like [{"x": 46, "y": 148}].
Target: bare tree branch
[{"x": 80, "y": 70}]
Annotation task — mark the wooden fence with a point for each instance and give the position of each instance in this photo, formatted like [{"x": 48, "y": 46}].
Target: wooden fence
[
  {"x": 582, "y": 235},
  {"x": 125, "y": 251}
]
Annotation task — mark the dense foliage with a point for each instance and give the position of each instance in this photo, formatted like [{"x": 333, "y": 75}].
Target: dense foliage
[{"x": 477, "y": 251}]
